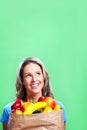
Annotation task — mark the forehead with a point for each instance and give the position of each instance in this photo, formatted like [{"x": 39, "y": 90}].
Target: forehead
[{"x": 32, "y": 67}]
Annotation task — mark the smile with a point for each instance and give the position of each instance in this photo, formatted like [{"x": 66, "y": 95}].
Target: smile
[{"x": 35, "y": 85}]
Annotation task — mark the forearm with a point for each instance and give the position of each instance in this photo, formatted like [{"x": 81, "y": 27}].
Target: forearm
[
  {"x": 64, "y": 125},
  {"x": 4, "y": 126}
]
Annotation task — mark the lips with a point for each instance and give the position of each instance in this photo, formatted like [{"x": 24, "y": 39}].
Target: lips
[{"x": 34, "y": 85}]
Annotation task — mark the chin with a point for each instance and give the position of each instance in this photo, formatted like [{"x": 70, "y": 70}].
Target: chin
[{"x": 36, "y": 91}]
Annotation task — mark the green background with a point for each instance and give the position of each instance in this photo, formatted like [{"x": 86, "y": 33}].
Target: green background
[{"x": 55, "y": 31}]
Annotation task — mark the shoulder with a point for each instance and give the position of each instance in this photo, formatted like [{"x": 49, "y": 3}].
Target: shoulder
[
  {"x": 60, "y": 103},
  {"x": 8, "y": 106}
]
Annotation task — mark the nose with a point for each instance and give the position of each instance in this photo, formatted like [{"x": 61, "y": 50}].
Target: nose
[{"x": 33, "y": 78}]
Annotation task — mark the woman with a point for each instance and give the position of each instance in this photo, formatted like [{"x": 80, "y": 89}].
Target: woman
[{"x": 32, "y": 82}]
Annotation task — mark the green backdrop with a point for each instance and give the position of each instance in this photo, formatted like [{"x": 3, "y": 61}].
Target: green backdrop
[{"x": 55, "y": 31}]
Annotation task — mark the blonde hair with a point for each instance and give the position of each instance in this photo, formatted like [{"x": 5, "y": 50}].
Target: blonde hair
[{"x": 21, "y": 91}]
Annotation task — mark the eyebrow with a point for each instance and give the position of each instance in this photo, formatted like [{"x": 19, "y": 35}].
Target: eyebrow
[{"x": 35, "y": 72}]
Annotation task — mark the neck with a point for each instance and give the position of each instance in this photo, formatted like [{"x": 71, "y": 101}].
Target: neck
[{"x": 33, "y": 98}]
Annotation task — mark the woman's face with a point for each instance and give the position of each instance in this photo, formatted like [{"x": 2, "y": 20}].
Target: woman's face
[{"x": 33, "y": 79}]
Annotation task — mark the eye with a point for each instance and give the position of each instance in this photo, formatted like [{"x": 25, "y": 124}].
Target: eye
[
  {"x": 28, "y": 75},
  {"x": 38, "y": 73}
]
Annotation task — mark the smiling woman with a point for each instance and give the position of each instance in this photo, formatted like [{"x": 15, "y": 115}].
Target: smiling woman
[{"x": 32, "y": 82}]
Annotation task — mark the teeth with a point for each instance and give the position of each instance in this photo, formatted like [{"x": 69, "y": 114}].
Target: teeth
[{"x": 34, "y": 85}]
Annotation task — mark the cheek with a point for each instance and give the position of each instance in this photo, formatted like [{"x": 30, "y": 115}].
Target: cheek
[
  {"x": 42, "y": 80},
  {"x": 25, "y": 82}
]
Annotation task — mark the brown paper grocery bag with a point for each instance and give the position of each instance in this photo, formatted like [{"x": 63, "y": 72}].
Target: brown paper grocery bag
[{"x": 39, "y": 121}]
